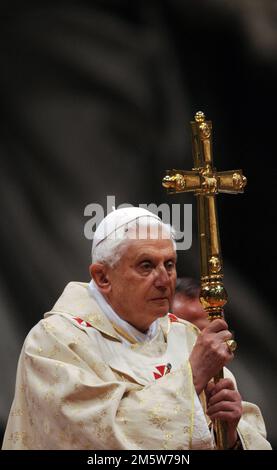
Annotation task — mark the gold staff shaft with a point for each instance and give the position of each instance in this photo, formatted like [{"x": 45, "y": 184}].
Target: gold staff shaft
[{"x": 213, "y": 295}]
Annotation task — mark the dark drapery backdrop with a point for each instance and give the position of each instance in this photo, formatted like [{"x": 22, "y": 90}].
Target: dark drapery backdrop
[{"x": 96, "y": 99}]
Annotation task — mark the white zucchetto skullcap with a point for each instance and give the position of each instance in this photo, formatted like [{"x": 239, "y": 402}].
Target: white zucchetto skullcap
[{"x": 118, "y": 218}]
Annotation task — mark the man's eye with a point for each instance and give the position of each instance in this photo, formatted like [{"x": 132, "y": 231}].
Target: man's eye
[
  {"x": 146, "y": 265},
  {"x": 170, "y": 265}
]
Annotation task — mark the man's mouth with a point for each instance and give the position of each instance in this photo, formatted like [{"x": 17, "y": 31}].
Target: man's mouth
[{"x": 160, "y": 298}]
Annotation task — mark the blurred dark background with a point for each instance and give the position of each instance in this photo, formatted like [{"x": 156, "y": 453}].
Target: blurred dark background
[{"x": 95, "y": 100}]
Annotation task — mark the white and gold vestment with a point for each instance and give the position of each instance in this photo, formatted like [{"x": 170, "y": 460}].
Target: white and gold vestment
[{"x": 80, "y": 386}]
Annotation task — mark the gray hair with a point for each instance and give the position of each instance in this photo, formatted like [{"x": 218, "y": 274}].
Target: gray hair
[{"x": 111, "y": 249}]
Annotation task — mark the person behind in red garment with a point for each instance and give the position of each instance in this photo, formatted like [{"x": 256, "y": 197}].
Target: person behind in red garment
[{"x": 186, "y": 303}]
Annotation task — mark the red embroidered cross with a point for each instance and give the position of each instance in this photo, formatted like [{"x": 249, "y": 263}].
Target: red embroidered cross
[
  {"x": 82, "y": 322},
  {"x": 162, "y": 370}
]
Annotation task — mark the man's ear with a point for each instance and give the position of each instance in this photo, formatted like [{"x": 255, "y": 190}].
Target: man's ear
[{"x": 99, "y": 273}]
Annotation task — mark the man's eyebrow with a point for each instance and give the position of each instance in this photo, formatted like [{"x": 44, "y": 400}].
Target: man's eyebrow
[
  {"x": 146, "y": 255},
  {"x": 171, "y": 258}
]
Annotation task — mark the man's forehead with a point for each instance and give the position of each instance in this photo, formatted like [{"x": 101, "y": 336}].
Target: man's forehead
[{"x": 138, "y": 248}]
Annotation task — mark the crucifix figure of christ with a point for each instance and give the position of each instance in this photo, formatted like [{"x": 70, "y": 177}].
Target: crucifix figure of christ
[{"x": 206, "y": 183}]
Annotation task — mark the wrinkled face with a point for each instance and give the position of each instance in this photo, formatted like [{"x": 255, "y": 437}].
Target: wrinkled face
[
  {"x": 190, "y": 310},
  {"x": 141, "y": 285}
]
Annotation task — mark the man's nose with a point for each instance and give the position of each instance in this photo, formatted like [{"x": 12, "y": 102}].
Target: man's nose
[{"x": 162, "y": 277}]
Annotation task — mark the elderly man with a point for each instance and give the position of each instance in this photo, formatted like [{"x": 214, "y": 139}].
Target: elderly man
[{"x": 109, "y": 368}]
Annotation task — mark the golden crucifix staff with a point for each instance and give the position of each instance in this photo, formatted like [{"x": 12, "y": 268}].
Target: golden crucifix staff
[{"x": 206, "y": 183}]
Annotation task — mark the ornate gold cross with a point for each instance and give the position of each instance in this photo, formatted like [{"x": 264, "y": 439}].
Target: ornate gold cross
[{"x": 206, "y": 183}]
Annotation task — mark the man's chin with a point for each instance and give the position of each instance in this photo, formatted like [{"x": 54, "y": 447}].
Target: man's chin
[
  {"x": 161, "y": 312},
  {"x": 159, "y": 307}
]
